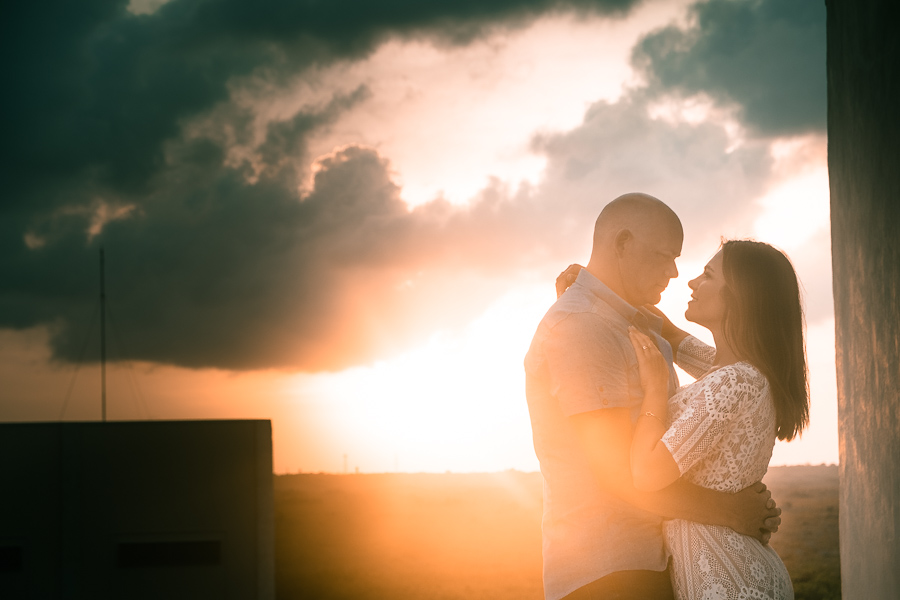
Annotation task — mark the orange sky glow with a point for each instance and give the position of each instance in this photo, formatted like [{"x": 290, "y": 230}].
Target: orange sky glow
[{"x": 465, "y": 132}]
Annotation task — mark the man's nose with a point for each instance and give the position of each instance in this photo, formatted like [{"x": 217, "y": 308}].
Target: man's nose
[{"x": 672, "y": 271}]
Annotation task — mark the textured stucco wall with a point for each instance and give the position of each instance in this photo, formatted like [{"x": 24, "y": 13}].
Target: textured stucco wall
[{"x": 864, "y": 168}]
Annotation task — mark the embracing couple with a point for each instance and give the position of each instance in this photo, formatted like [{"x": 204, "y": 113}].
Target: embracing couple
[{"x": 653, "y": 491}]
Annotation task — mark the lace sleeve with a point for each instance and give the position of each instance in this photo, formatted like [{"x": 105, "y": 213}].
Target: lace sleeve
[
  {"x": 694, "y": 356},
  {"x": 713, "y": 402}
]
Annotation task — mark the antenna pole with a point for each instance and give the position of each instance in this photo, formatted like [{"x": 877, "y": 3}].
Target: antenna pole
[{"x": 102, "y": 338}]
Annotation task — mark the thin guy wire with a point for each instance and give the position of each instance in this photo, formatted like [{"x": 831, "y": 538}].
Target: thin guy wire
[
  {"x": 131, "y": 378},
  {"x": 80, "y": 358}
]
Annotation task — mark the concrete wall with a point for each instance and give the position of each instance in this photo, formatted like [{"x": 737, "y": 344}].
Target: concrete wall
[
  {"x": 864, "y": 168},
  {"x": 177, "y": 509}
]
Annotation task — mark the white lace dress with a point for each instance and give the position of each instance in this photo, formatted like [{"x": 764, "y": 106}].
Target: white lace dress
[{"x": 721, "y": 434}]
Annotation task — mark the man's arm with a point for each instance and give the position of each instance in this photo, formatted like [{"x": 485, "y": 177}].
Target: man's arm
[{"x": 605, "y": 436}]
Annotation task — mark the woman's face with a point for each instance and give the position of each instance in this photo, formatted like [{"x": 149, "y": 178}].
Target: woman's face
[{"x": 707, "y": 306}]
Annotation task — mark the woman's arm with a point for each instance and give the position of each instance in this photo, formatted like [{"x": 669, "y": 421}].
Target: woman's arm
[
  {"x": 691, "y": 354},
  {"x": 652, "y": 465},
  {"x": 670, "y": 332},
  {"x": 605, "y": 437},
  {"x": 695, "y": 356},
  {"x": 614, "y": 449}
]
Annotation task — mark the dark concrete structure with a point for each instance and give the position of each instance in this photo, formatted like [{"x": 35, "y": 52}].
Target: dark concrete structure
[
  {"x": 864, "y": 168},
  {"x": 154, "y": 509}
]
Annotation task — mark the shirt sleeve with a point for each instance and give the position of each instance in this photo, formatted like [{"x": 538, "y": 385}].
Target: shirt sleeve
[
  {"x": 695, "y": 357},
  {"x": 712, "y": 404},
  {"x": 587, "y": 365}
]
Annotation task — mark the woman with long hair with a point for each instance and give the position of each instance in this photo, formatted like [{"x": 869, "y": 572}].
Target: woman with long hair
[{"x": 719, "y": 431}]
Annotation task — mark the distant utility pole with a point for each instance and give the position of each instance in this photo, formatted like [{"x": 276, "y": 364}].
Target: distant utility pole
[{"x": 102, "y": 339}]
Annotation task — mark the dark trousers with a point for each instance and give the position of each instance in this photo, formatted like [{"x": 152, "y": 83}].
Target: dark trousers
[{"x": 627, "y": 585}]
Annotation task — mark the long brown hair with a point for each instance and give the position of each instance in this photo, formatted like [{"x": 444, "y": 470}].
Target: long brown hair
[{"x": 764, "y": 324}]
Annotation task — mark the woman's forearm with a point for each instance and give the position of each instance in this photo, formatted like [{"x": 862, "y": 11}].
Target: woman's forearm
[{"x": 652, "y": 465}]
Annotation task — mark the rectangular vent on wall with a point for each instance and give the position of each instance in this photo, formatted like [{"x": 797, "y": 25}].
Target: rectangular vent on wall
[{"x": 169, "y": 554}]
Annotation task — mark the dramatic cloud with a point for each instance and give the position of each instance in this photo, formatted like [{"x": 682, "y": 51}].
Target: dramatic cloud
[
  {"x": 99, "y": 89},
  {"x": 227, "y": 248},
  {"x": 217, "y": 271},
  {"x": 765, "y": 56},
  {"x": 106, "y": 133},
  {"x": 692, "y": 167}
]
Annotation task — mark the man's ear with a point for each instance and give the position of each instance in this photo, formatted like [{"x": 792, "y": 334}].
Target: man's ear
[{"x": 622, "y": 239}]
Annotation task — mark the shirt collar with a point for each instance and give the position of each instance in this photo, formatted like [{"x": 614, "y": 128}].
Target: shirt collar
[{"x": 639, "y": 317}]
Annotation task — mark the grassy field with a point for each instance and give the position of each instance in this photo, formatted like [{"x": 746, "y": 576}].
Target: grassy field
[
  {"x": 808, "y": 538},
  {"x": 478, "y": 536}
]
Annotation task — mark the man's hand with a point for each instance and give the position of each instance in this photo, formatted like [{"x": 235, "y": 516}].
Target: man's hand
[
  {"x": 755, "y": 513},
  {"x": 567, "y": 278}
]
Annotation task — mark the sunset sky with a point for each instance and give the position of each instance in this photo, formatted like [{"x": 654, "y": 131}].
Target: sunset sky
[{"x": 348, "y": 216}]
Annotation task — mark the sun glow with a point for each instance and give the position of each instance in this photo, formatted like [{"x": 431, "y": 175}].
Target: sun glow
[
  {"x": 456, "y": 403},
  {"x": 451, "y": 121},
  {"x": 795, "y": 210}
]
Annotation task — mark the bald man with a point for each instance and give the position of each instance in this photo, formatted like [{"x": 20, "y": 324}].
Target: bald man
[{"x": 601, "y": 537}]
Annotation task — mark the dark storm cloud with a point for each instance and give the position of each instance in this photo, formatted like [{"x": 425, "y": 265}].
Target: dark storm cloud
[
  {"x": 224, "y": 262},
  {"x": 96, "y": 88},
  {"x": 766, "y": 56},
  {"x": 217, "y": 271},
  {"x": 217, "y": 263}
]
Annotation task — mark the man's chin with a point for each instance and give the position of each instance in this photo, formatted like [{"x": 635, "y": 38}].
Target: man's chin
[{"x": 654, "y": 300}]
